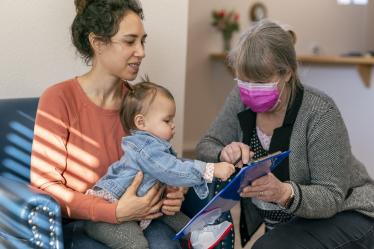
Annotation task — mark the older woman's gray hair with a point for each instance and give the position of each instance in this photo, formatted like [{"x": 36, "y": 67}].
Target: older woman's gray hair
[{"x": 265, "y": 50}]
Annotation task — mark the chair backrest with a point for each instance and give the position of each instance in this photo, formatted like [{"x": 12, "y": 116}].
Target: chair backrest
[{"x": 17, "y": 117}]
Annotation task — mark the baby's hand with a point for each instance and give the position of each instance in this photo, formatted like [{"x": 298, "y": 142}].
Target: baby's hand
[{"x": 223, "y": 170}]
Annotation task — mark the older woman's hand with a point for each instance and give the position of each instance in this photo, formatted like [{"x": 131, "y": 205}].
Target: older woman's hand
[
  {"x": 235, "y": 151},
  {"x": 132, "y": 207},
  {"x": 174, "y": 196},
  {"x": 268, "y": 188}
]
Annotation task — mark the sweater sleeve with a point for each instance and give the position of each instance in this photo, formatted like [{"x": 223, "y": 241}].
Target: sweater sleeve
[
  {"x": 210, "y": 146},
  {"x": 49, "y": 162},
  {"x": 328, "y": 158}
]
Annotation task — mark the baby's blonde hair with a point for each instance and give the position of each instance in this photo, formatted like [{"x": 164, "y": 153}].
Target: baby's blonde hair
[{"x": 138, "y": 100}]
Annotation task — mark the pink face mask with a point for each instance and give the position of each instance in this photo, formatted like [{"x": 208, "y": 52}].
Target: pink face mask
[{"x": 259, "y": 97}]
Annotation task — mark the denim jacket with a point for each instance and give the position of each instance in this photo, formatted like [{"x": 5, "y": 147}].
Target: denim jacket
[{"x": 157, "y": 160}]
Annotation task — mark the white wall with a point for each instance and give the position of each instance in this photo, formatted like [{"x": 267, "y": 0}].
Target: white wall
[
  {"x": 354, "y": 100},
  {"x": 166, "y": 52},
  {"x": 36, "y": 50},
  {"x": 207, "y": 82},
  {"x": 35, "y": 46},
  {"x": 369, "y": 29},
  {"x": 335, "y": 28}
]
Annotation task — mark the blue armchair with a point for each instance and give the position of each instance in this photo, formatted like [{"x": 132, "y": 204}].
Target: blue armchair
[{"x": 29, "y": 218}]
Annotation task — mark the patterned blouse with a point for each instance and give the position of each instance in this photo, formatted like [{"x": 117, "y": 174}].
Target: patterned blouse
[{"x": 270, "y": 212}]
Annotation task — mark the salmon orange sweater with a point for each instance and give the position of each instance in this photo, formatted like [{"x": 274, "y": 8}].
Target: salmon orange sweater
[{"x": 75, "y": 141}]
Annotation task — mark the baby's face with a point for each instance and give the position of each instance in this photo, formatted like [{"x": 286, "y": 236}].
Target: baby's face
[{"x": 159, "y": 119}]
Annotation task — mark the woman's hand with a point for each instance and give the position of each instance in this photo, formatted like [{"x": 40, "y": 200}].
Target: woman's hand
[
  {"x": 132, "y": 207},
  {"x": 235, "y": 151},
  {"x": 268, "y": 188},
  {"x": 174, "y": 196}
]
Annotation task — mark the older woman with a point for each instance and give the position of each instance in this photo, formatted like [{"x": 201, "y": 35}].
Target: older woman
[{"x": 322, "y": 196}]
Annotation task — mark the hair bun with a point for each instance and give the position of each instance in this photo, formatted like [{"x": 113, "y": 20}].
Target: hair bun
[
  {"x": 293, "y": 36},
  {"x": 80, "y": 5},
  {"x": 292, "y": 33},
  {"x": 289, "y": 30}
]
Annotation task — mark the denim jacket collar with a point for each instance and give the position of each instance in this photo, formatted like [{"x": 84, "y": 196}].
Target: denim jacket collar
[{"x": 153, "y": 137}]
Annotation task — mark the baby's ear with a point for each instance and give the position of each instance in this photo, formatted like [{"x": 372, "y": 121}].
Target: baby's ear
[{"x": 139, "y": 121}]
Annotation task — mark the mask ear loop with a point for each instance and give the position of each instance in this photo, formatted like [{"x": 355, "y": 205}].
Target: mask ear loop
[
  {"x": 280, "y": 94},
  {"x": 279, "y": 97}
]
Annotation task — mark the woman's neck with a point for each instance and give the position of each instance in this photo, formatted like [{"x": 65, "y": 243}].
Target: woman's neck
[{"x": 104, "y": 90}]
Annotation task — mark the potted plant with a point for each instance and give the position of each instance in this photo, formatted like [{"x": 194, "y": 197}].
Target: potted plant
[{"x": 227, "y": 22}]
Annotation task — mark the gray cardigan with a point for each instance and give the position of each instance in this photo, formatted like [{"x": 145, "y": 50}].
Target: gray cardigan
[{"x": 326, "y": 177}]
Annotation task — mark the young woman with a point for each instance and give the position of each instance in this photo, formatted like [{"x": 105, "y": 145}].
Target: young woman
[{"x": 78, "y": 130}]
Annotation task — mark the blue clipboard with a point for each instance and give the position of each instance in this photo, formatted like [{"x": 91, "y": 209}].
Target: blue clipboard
[{"x": 230, "y": 195}]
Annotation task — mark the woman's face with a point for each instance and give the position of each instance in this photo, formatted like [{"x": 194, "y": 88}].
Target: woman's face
[
  {"x": 123, "y": 55},
  {"x": 265, "y": 96}
]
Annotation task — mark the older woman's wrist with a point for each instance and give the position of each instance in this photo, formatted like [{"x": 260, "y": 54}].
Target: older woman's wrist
[{"x": 288, "y": 195}]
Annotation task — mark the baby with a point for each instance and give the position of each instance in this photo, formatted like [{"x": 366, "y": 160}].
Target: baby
[{"x": 148, "y": 112}]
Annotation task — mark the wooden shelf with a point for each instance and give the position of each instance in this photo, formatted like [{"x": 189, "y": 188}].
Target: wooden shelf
[
  {"x": 364, "y": 64},
  {"x": 222, "y": 57},
  {"x": 218, "y": 56},
  {"x": 330, "y": 59}
]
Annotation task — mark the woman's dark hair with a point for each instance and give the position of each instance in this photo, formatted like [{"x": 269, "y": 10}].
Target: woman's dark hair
[
  {"x": 138, "y": 100},
  {"x": 100, "y": 17}
]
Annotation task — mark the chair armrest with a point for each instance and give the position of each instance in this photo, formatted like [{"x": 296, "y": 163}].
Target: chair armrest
[{"x": 28, "y": 218}]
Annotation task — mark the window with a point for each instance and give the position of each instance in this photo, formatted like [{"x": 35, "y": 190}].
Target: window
[
  {"x": 357, "y": 2},
  {"x": 361, "y": 2}
]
